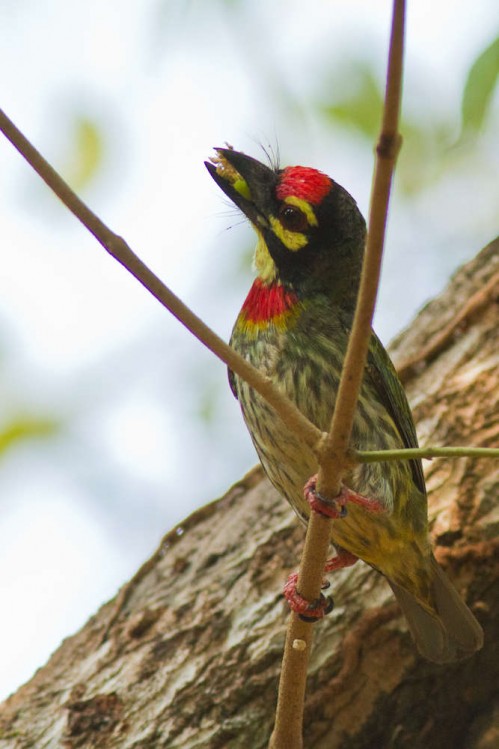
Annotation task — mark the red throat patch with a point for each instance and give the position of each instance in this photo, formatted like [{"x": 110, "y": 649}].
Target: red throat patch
[
  {"x": 305, "y": 183},
  {"x": 268, "y": 303}
]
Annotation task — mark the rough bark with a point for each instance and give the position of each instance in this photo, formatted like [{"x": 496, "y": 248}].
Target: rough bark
[{"x": 188, "y": 654}]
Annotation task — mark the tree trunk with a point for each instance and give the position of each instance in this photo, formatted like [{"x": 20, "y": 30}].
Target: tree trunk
[{"x": 188, "y": 654}]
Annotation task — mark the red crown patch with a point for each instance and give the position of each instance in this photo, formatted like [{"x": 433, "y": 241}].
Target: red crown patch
[{"x": 305, "y": 183}]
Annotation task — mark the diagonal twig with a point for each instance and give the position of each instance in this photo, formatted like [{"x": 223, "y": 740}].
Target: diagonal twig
[{"x": 119, "y": 249}]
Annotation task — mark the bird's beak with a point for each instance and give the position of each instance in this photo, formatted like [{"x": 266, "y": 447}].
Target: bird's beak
[{"x": 247, "y": 182}]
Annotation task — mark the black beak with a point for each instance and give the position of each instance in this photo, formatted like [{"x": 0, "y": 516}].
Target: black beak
[{"x": 248, "y": 183}]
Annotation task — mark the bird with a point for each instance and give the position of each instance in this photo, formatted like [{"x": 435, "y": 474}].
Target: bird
[{"x": 294, "y": 326}]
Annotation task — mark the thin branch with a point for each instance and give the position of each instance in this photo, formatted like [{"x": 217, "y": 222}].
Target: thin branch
[
  {"x": 377, "y": 456},
  {"x": 334, "y": 459},
  {"x": 119, "y": 249}
]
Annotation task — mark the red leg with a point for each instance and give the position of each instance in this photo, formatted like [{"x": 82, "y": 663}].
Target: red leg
[
  {"x": 336, "y": 508},
  {"x": 368, "y": 503},
  {"x": 342, "y": 559}
]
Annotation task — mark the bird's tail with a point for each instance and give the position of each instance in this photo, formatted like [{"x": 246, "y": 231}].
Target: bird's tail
[{"x": 450, "y": 632}]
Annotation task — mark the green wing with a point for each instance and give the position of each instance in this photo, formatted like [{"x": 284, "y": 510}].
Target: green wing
[{"x": 391, "y": 393}]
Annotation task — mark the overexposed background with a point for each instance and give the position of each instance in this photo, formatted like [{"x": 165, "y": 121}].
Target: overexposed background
[{"x": 114, "y": 422}]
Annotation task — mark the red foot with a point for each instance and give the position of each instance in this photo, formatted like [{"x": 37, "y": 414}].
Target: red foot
[
  {"x": 309, "y": 611},
  {"x": 336, "y": 508}
]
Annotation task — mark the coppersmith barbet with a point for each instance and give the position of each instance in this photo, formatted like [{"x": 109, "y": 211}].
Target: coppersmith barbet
[{"x": 294, "y": 327}]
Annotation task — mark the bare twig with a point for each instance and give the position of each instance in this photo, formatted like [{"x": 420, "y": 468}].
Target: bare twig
[
  {"x": 412, "y": 453},
  {"x": 334, "y": 459},
  {"x": 119, "y": 249}
]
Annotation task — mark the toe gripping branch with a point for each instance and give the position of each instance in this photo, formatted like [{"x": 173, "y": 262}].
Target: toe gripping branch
[
  {"x": 337, "y": 507},
  {"x": 311, "y": 611}
]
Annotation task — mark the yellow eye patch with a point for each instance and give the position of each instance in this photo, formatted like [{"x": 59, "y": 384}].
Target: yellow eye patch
[
  {"x": 304, "y": 207},
  {"x": 292, "y": 238}
]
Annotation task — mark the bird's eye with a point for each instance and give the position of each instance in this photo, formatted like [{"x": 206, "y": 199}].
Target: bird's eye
[{"x": 292, "y": 218}]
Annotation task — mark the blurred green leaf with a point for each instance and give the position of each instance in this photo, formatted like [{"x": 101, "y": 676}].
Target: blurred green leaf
[
  {"x": 479, "y": 88},
  {"x": 426, "y": 153},
  {"x": 87, "y": 152},
  {"x": 356, "y": 103},
  {"x": 207, "y": 405},
  {"x": 361, "y": 108},
  {"x": 24, "y": 428}
]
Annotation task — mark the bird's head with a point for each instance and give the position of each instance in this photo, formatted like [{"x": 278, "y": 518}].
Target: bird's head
[{"x": 310, "y": 231}]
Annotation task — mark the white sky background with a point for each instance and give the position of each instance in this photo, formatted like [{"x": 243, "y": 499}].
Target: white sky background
[{"x": 81, "y": 340}]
